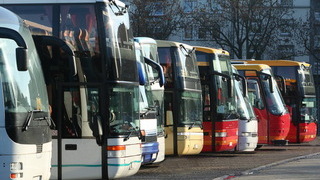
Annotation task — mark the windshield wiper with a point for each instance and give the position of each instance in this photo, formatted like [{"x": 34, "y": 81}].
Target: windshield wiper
[
  {"x": 147, "y": 112},
  {"x": 128, "y": 136},
  {"x": 194, "y": 123},
  {"x": 122, "y": 10},
  {"x": 30, "y": 117}
]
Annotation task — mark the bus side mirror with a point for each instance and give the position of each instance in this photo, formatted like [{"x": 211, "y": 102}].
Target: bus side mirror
[
  {"x": 142, "y": 74},
  {"x": 230, "y": 87},
  {"x": 243, "y": 82},
  {"x": 268, "y": 77},
  {"x": 281, "y": 83},
  {"x": 159, "y": 69},
  {"x": 271, "y": 84},
  {"x": 73, "y": 66},
  {"x": 21, "y": 51},
  {"x": 22, "y": 59}
]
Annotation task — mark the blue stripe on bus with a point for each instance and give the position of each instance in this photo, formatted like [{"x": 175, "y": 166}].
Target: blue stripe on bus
[{"x": 97, "y": 165}]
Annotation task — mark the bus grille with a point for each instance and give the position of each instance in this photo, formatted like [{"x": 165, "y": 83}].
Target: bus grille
[{"x": 39, "y": 148}]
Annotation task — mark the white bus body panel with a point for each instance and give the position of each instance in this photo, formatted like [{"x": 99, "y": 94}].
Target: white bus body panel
[
  {"x": 248, "y": 135},
  {"x": 85, "y": 162},
  {"x": 161, "y": 153},
  {"x": 34, "y": 165}
]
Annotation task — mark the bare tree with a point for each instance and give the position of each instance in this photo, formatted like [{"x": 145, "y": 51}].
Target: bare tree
[
  {"x": 155, "y": 18},
  {"x": 244, "y": 27},
  {"x": 304, "y": 33}
]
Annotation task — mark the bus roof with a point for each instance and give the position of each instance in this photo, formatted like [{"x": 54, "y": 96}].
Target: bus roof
[
  {"x": 55, "y": 1},
  {"x": 163, "y": 43},
  {"x": 255, "y": 67},
  {"x": 211, "y": 50},
  {"x": 9, "y": 20},
  {"x": 145, "y": 40},
  {"x": 277, "y": 62}
]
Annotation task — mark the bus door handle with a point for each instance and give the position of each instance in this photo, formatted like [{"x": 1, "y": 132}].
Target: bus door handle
[{"x": 71, "y": 147}]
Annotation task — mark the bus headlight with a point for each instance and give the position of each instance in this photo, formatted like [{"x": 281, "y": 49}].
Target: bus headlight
[
  {"x": 14, "y": 166},
  {"x": 245, "y": 134},
  {"x": 221, "y": 134}
]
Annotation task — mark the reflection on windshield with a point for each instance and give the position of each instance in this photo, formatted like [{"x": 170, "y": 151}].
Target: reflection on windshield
[
  {"x": 254, "y": 94},
  {"x": 308, "y": 109},
  {"x": 191, "y": 108},
  {"x": 244, "y": 107},
  {"x": 187, "y": 63},
  {"x": 274, "y": 100},
  {"x": 23, "y": 90}
]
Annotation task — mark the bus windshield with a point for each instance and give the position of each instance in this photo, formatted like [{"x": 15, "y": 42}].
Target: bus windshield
[
  {"x": 226, "y": 106},
  {"x": 186, "y": 63},
  {"x": 244, "y": 107},
  {"x": 191, "y": 108},
  {"x": 308, "y": 110},
  {"x": 255, "y": 94},
  {"x": 124, "y": 112},
  {"x": 223, "y": 65},
  {"x": 23, "y": 90},
  {"x": 274, "y": 100},
  {"x": 307, "y": 82},
  {"x": 297, "y": 78}
]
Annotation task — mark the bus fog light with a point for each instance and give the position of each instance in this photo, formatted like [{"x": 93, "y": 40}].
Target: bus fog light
[
  {"x": 116, "y": 153},
  {"x": 221, "y": 134},
  {"x": 154, "y": 155},
  {"x": 245, "y": 134},
  {"x": 16, "y": 166},
  {"x": 196, "y": 146}
]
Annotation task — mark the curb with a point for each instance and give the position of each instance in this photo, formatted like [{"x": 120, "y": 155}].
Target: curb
[{"x": 254, "y": 170}]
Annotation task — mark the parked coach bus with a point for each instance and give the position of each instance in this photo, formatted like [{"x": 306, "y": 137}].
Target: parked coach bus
[
  {"x": 25, "y": 150},
  {"x": 182, "y": 99},
  {"x": 149, "y": 106},
  {"x": 87, "y": 52},
  {"x": 248, "y": 123},
  {"x": 272, "y": 114},
  {"x": 155, "y": 78},
  {"x": 299, "y": 95},
  {"x": 220, "y": 117}
]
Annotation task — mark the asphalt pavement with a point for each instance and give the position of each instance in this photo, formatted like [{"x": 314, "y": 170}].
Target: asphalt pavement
[{"x": 305, "y": 167}]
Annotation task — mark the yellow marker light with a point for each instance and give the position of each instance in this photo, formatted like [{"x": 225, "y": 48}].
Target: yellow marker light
[
  {"x": 116, "y": 151},
  {"x": 16, "y": 175},
  {"x": 116, "y": 148}
]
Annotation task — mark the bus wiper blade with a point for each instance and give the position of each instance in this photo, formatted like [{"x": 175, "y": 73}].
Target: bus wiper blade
[
  {"x": 122, "y": 11},
  {"x": 128, "y": 136},
  {"x": 29, "y": 118},
  {"x": 146, "y": 113},
  {"x": 194, "y": 123}
]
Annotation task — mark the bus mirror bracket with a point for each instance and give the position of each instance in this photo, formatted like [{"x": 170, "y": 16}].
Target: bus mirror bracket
[
  {"x": 269, "y": 78},
  {"x": 283, "y": 83},
  {"x": 244, "y": 84},
  {"x": 21, "y": 51}
]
